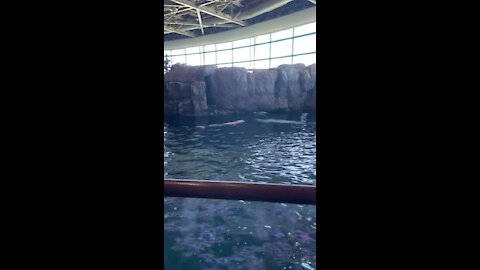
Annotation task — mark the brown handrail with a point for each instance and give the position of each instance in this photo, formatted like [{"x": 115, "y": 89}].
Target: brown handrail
[{"x": 226, "y": 190}]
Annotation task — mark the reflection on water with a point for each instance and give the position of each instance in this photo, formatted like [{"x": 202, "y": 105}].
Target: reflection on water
[{"x": 217, "y": 234}]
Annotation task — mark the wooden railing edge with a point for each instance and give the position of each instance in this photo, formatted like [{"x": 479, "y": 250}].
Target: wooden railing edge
[{"x": 247, "y": 191}]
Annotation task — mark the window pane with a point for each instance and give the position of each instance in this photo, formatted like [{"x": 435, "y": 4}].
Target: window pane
[
  {"x": 262, "y": 39},
  {"x": 242, "y": 54},
  {"x": 193, "y": 60},
  {"x": 254, "y": 57},
  {"x": 264, "y": 64},
  {"x": 305, "y": 59},
  {"x": 223, "y": 46},
  {"x": 262, "y": 51},
  {"x": 282, "y": 34},
  {"x": 241, "y": 43},
  {"x": 178, "y": 59},
  {"x": 210, "y": 48},
  {"x": 178, "y": 52},
  {"x": 224, "y": 56},
  {"x": 244, "y": 65},
  {"x": 306, "y": 29},
  {"x": 282, "y": 48},
  {"x": 305, "y": 44},
  {"x": 193, "y": 50},
  {"x": 210, "y": 58},
  {"x": 280, "y": 61}
]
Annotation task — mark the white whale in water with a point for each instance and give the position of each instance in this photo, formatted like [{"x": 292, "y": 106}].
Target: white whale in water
[
  {"x": 278, "y": 121},
  {"x": 234, "y": 123}
]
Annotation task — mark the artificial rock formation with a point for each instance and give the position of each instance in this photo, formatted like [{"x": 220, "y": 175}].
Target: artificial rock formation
[
  {"x": 185, "y": 98},
  {"x": 193, "y": 90}
]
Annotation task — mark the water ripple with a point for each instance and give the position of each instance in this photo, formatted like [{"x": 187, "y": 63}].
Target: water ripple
[
  {"x": 216, "y": 234},
  {"x": 256, "y": 151}
]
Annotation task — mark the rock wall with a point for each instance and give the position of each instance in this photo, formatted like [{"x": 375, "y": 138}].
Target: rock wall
[
  {"x": 185, "y": 98},
  {"x": 197, "y": 90}
]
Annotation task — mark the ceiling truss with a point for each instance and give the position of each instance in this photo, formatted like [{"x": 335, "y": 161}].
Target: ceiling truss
[{"x": 183, "y": 17}]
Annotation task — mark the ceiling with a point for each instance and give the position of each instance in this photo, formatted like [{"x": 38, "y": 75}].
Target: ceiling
[{"x": 190, "y": 18}]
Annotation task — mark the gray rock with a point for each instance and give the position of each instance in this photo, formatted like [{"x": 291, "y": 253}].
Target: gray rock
[
  {"x": 231, "y": 88},
  {"x": 184, "y": 73},
  {"x": 263, "y": 96},
  {"x": 311, "y": 102},
  {"x": 291, "y": 93},
  {"x": 185, "y": 98},
  {"x": 286, "y": 88}
]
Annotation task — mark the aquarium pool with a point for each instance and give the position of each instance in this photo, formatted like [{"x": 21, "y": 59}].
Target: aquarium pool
[{"x": 218, "y": 234}]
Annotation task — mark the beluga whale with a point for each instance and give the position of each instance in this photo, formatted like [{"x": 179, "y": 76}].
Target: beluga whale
[
  {"x": 281, "y": 121},
  {"x": 234, "y": 123}
]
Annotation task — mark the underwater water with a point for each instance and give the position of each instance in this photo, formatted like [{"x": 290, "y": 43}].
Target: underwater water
[{"x": 220, "y": 234}]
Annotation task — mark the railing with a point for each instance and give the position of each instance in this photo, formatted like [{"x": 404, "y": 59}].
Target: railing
[{"x": 226, "y": 190}]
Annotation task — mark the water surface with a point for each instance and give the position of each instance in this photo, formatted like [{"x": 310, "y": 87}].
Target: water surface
[{"x": 219, "y": 234}]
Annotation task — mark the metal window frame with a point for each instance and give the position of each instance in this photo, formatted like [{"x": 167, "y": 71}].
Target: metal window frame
[{"x": 252, "y": 45}]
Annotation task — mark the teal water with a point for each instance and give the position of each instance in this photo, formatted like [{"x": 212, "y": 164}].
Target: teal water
[{"x": 219, "y": 234}]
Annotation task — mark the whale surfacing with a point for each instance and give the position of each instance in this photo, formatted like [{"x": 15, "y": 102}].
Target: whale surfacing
[
  {"x": 278, "y": 121},
  {"x": 234, "y": 123}
]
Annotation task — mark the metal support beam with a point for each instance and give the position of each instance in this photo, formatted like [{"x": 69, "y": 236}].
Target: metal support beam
[
  {"x": 181, "y": 12},
  {"x": 167, "y": 5},
  {"x": 209, "y": 11},
  {"x": 204, "y": 25},
  {"x": 313, "y": 1},
  {"x": 200, "y": 21},
  {"x": 173, "y": 30}
]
